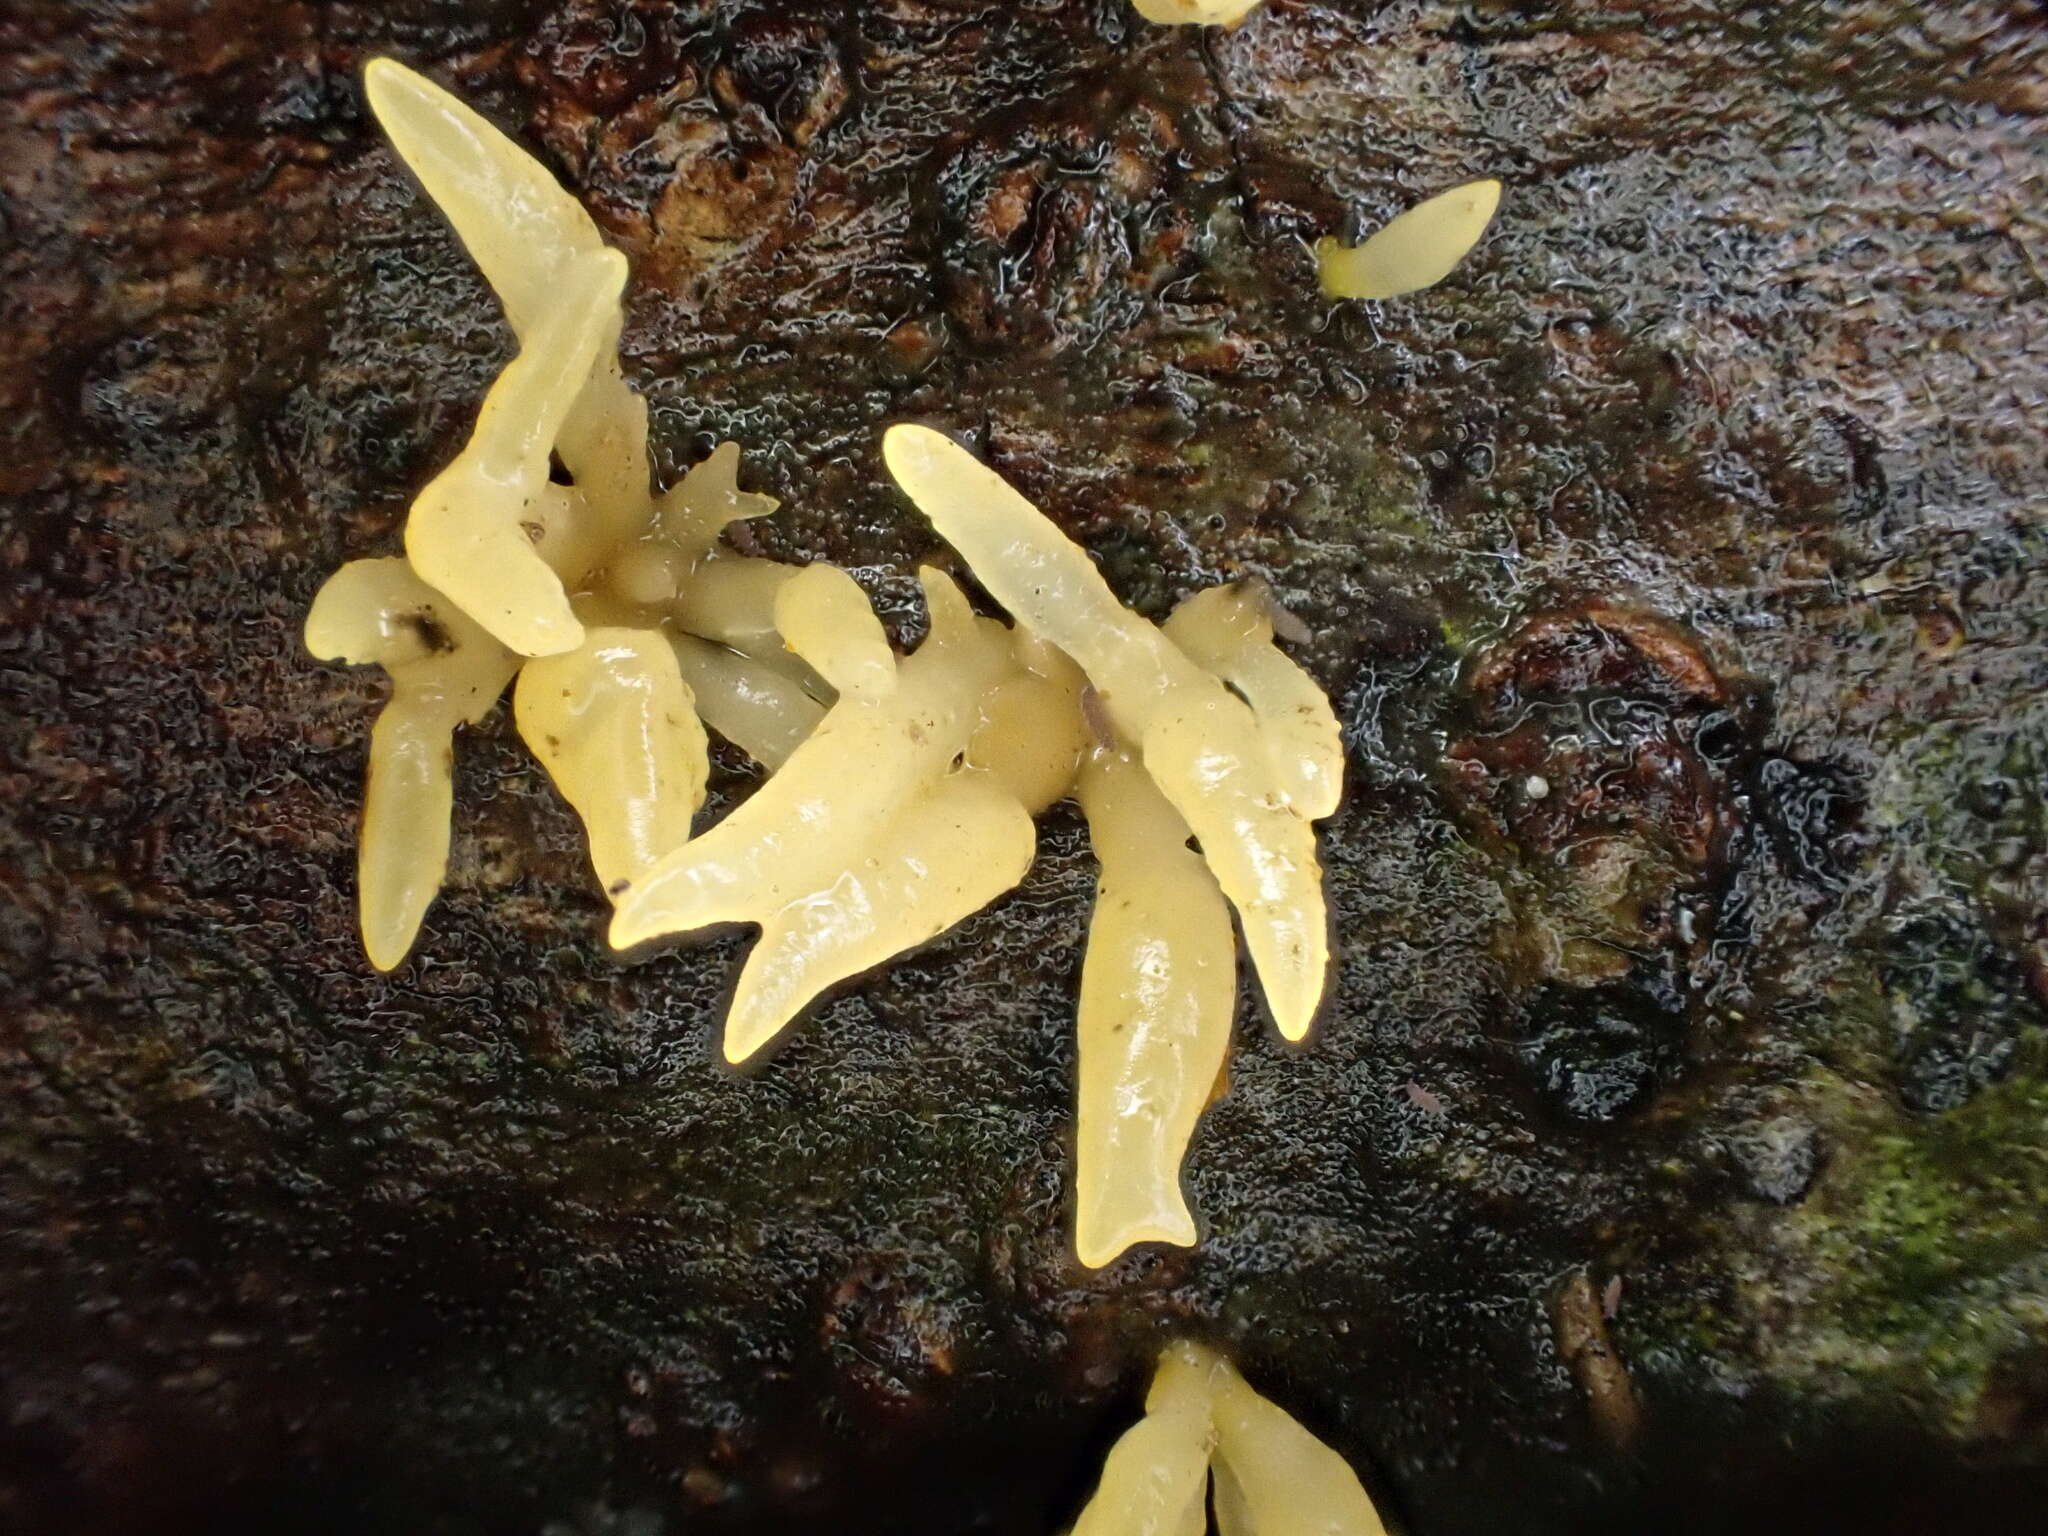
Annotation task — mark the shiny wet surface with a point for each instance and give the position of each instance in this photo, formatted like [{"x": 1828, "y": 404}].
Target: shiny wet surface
[{"x": 1677, "y": 568}]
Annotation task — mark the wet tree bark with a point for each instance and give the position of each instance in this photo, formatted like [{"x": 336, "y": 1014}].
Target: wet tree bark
[{"x": 1678, "y": 567}]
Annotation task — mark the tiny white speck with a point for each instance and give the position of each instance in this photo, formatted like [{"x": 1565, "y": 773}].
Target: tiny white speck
[{"x": 1536, "y": 786}]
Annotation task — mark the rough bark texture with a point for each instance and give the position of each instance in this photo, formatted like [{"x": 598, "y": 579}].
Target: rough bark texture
[{"x": 1679, "y": 567}]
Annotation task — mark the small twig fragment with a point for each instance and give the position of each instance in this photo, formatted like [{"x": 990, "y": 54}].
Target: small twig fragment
[{"x": 1583, "y": 1344}]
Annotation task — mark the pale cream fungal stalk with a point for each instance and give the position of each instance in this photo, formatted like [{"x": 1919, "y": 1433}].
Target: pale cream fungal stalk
[
  {"x": 1158, "y": 988},
  {"x": 871, "y": 838},
  {"x": 731, "y": 599},
  {"x": 1415, "y": 250},
  {"x": 616, "y": 728},
  {"x": 901, "y": 790},
  {"x": 517, "y": 222},
  {"x": 1229, "y": 630},
  {"x": 1272, "y": 1477},
  {"x": 445, "y": 671},
  {"x": 528, "y": 235},
  {"x": 674, "y": 557},
  {"x": 757, "y": 708},
  {"x": 1214, "y": 759}
]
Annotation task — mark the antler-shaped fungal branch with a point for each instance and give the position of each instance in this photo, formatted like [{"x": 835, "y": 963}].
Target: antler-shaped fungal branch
[
  {"x": 1272, "y": 1477},
  {"x": 1229, "y": 630},
  {"x": 1160, "y": 981},
  {"x": 1245, "y": 788},
  {"x": 508, "y": 565},
  {"x": 444, "y": 670},
  {"x": 876, "y": 835},
  {"x": 492, "y": 530},
  {"x": 1158, "y": 988}
]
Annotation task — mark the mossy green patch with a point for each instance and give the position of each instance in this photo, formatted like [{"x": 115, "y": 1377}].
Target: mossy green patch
[{"x": 1931, "y": 1241}]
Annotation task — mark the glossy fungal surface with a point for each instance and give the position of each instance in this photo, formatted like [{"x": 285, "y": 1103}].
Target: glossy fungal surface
[{"x": 901, "y": 790}]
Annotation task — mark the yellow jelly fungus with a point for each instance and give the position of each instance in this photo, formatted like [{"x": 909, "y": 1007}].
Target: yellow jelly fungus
[
  {"x": 901, "y": 790},
  {"x": 1200, "y": 13},
  {"x": 1229, "y": 630},
  {"x": 1158, "y": 988},
  {"x": 1155, "y": 1479},
  {"x": 505, "y": 563},
  {"x": 752, "y": 705},
  {"x": 491, "y": 530},
  {"x": 825, "y": 618},
  {"x": 526, "y": 234},
  {"x": 1415, "y": 250},
  {"x": 1202, "y": 745},
  {"x": 615, "y": 726},
  {"x": 445, "y": 671},
  {"x": 869, "y": 840},
  {"x": 957, "y": 846},
  {"x": 1272, "y": 1477}
]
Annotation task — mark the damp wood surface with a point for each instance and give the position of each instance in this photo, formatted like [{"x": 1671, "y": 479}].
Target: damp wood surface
[{"x": 1677, "y": 568}]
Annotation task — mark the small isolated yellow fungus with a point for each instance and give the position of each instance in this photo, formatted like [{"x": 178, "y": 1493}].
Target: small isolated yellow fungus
[
  {"x": 616, "y": 728},
  {"x": 445, "y": 671},
  {"x": 1272, "y": 1477},
  {"x": 1412, "y": 251},
  {"x": 1196, "y": 13},
  {"x": 1158, "y": 988},
  {"x": 1216, "y": 762}
]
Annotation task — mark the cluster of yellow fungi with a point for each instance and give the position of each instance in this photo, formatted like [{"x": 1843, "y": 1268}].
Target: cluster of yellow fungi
[
  {"x": 1203, "y": 1423},
  {"x": 902, "y": 790}
]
